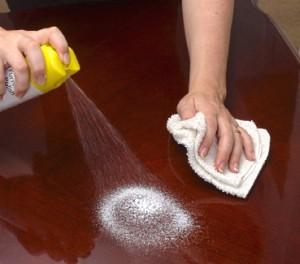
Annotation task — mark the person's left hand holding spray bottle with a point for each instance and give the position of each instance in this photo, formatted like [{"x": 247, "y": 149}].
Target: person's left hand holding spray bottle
[{"x": 21, "y": 50}]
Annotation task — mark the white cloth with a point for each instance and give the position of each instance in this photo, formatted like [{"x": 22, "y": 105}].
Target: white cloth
[{"x": 191, "y": 132}]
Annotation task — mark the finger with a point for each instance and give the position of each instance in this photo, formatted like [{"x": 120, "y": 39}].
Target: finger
[
  {"x": 20, "y": 68},
  {"x": 210, "y": 135},
  {"x": 2, "y": 79},
  {"x": 186, "y": 110},
  {"x": 247, "y": 144},
  {"x": 236, "y": 151},
  {"x": 35, "y": 59},
  {"x": 56, "y": 39},
  {"x": 225, "y": 144}
]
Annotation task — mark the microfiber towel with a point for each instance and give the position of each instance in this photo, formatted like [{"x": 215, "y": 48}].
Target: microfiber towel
[{"x": 190, "y": 133}]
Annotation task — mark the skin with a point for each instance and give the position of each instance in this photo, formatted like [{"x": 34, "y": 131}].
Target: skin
[
  {"x": 20, "y": 49},
  {"x": 207, "y": 28}
]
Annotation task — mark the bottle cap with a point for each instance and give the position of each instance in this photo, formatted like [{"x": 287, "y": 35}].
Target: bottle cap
[{"x": 56, "y": 71}]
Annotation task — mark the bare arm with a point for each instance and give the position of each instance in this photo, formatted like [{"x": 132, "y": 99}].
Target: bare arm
[{"x": 207, "y": 27}]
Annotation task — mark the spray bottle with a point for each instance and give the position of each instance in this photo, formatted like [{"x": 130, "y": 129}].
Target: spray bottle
[{"x": 56, "y": 73}]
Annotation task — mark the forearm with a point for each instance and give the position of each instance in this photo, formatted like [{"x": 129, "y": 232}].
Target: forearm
[{"x": 207, "y": 26}]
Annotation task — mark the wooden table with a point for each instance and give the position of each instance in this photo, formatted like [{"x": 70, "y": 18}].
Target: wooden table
[{"x": 134, "y": 67}]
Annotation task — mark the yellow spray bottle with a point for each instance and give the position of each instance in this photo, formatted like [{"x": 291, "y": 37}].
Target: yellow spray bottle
[{"x": 56, "y": 74}]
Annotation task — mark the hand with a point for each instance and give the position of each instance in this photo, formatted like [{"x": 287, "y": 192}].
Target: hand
[
  {"x": 20, "y": 49},
  {"x": 232, "y": 139}
]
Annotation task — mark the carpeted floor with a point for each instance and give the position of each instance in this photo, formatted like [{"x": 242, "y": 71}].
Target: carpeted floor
[
  {"x": 286, "y": 15},
  {"x": 3, "y": 6}
]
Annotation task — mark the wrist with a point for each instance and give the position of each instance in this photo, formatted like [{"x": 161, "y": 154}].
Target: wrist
[{"x": 214, "y": 89}]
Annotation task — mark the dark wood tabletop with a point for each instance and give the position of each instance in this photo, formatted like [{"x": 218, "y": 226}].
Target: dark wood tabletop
[{"x": 134, "y": 68}]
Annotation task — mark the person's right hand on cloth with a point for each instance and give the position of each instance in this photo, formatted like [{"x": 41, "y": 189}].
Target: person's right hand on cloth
[
  {"x": 232, "y": 139},
  {"x": 207, "y": 28}
]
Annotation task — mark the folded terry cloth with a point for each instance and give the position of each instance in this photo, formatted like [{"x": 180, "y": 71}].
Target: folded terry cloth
[{"x": 191, "y": 132}]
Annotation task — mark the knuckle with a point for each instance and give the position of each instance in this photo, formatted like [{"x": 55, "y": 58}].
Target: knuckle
[
  {"x": 214, "y": 127},
  {"x": 237, "y": 151},
  {"x": 211, "y": 130},
  {"x": 244, "y": 132},
  {"x": 233, "y": 161},
  {"x": 31, "y": 44},
  {"x": 227, "y": 149},
  {"x": 248, "y": 148},
  {"x": 1, "y": 86},
  {"x": 21, "y": 68},
  {"x": 237, "y": 139},
  {"x": 212, "y": 123},
  {"x": 21, "y": 37},
  {"x": 20, "y": 33},
  {"x": 223, "y": 157},
  {"x": 248, "y": 141},
  {"x": 208, "y": 140},
  {"x": 54, "y": 29},
  {"x": 226, "y": 137},
  {"x": 238, "y": 146}
]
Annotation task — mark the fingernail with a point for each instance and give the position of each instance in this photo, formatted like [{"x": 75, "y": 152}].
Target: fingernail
[
  {"x": 20, "y": 94},
  {"x": 236, "y": 167},
  {"x": 221, "y": 167},
  {"x": 66, "y": 58},
  {"x": 40, "y": 79},
  {"x": 203, "y": 152}
]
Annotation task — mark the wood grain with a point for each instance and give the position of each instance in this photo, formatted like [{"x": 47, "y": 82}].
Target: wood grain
[{"x": 134, "y": 68}]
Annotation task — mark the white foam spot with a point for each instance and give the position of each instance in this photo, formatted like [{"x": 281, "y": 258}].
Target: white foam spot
[{"x": 144, "y": 218}]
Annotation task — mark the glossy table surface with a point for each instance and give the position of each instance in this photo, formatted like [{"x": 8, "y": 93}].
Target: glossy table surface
[{"x": 134, "y": 68}]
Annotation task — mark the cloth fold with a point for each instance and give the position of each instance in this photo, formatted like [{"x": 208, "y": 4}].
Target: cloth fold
[{"x": 190, "y": 134}]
